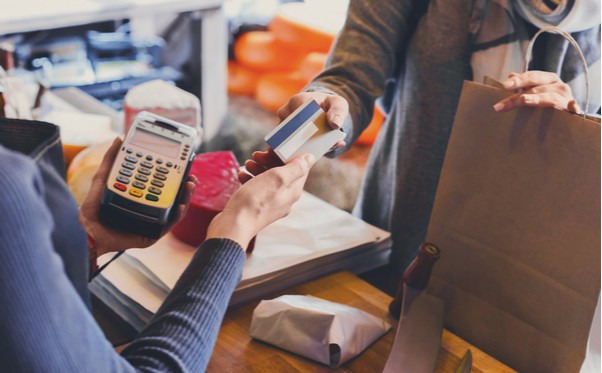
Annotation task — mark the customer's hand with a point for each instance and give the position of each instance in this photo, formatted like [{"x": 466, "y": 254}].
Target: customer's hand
[
  {"x": 107, "y": 239},
  {"x": 261, "y": 162},
  {"x": 261, "y": 201},
  {"x": 336, "y": 108},
  {"x": 539, "y": 89}
]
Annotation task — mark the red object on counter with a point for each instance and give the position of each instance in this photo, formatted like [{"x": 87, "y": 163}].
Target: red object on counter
[{"x": 217, "y": 174}]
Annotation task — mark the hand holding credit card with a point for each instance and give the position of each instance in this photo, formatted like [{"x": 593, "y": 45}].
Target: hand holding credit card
[{"x": 304, "y": 131}]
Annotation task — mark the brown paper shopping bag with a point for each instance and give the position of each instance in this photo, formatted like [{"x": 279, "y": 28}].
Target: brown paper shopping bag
[{"x": 517, "y": 218}]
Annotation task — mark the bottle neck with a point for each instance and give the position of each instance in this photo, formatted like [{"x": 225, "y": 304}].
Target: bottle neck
[{"x": 419, "y": 271}]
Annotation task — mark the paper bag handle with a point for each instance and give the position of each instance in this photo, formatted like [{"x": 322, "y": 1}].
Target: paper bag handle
[{"x": 570, "y": 39}]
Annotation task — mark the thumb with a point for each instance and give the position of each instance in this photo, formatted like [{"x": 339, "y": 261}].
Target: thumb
[
  {"x": 573, "y": 107},
  {"x": 91, "y": 203},
  {"x": 337, "y": 110},
  {"x": 107, "y": 161},
  {"x": 296, "y": 169}
]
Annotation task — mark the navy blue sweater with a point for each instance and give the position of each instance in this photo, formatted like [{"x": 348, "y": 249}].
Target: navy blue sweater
[{"x": 45, "y": 321}]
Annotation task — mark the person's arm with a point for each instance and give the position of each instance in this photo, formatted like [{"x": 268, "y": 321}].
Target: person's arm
[
  {"x": 184, "y": 330},
  {"x": 45, "y": 325},
  {"x": 363, "y": 57},
  {"x": 181, "y": 335}
]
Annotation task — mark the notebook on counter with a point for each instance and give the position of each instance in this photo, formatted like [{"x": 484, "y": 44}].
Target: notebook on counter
[{"x": 298, "y": 248}]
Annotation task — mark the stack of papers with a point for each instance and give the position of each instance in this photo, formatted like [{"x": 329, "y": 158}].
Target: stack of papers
[{"x": 315, "y": 239}]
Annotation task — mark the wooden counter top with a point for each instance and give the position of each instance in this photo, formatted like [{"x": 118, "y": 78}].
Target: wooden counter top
[{"x": 235, "y": 351}]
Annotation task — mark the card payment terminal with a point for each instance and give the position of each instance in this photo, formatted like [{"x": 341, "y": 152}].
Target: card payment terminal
[{"x": 148, "y": 176}]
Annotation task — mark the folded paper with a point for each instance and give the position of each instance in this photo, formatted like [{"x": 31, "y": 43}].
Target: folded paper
[{"x": 327, "y": 332}]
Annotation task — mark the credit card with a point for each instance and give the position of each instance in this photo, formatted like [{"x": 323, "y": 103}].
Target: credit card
[{"x": 304, "y": 131}]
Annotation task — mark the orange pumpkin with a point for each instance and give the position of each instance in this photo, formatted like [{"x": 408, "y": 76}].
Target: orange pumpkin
[
  {"x": 70, "y": 151},
  {"x": 307, "y": 26},
  {"x": 241, "y": 79},
  {"x": 261, "y": 51},
  {"x": 312, "y": 64},
  {"x": 275, "y": 89},
  {"x": 83, "y": 168}
]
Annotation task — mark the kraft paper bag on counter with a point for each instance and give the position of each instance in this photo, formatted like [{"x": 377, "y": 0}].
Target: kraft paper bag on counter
[
  {"x": 517, "y": 216},
  {"x": 327, "y": 332}
]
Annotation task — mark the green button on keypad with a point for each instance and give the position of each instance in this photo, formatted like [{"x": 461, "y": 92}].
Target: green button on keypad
[{"x": 152, "y": 197}]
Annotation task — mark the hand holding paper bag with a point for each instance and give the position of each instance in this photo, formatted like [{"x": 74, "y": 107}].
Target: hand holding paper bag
[
  {"x": 517, "y": 208},
  {"x": 320, "y": 330}
]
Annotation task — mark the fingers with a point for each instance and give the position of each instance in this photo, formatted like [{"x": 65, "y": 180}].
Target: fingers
[
  {"x": 284, "y": 174},
  {"x": 530, "y": 79},
  {"x": 267, "y": 159},
  {"x": 189, "y": 192},
  {"x": 261, "y": 162},
  {"x": 296, "y": 169},
  {"x": 336, "y": 109},
  {"x": 339, "y": 144},
  {"x": 292, "y": 104},
  {"x": 254, "y": 168},
  {"x": 243, "y": 177},
  {"x": 508, "y": 103},
  {"x": 183, "y": 206},
  {"x": 262, "y": 200},
  {"x": 546, "y": 99},
  {"x": 540, "y": 89},
  {"x": 573, "y": 107},
  {"x": 107, "y": 161},
  {"x": 284, "y": 112},
  {"x": 550, "y": 99}
]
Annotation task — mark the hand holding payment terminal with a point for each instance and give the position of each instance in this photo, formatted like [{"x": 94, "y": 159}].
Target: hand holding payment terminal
[{"x": 148, "y": 176}]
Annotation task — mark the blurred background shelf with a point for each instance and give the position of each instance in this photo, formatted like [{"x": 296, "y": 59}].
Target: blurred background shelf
[{"x": 61, "y": 29}]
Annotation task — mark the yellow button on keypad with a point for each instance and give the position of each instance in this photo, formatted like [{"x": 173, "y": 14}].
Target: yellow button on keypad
[{"x": 136, "y": 192}]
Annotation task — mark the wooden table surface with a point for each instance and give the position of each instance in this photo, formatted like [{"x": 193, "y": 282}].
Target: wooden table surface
[{"x": 235, "y": 351}]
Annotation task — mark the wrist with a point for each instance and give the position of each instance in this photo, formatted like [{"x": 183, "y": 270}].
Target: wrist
[{"x": 234, "y": 228}]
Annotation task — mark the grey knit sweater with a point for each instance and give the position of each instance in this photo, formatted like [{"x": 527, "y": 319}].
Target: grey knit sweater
[{"x": 430, "y": 61}]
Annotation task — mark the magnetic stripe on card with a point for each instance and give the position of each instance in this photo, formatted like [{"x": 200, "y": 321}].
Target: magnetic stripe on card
[{"x": 289, "y": 128}]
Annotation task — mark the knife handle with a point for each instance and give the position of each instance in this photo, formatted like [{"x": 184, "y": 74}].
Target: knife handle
[{"x": 416, "y": 276}]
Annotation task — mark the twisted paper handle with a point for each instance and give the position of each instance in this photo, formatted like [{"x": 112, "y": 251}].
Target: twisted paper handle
[{"x": 569, "y": 38}]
